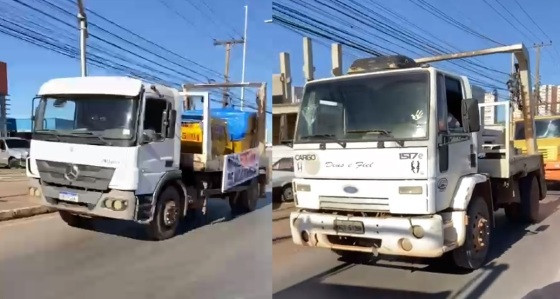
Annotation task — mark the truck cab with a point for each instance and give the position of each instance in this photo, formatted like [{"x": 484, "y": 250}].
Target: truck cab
[{"x": 389, "y": 160}]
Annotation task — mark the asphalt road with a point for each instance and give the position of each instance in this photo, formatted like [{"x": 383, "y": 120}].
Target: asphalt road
[
  {"x": 523, "y": 258},
  {"x": 43, "y": 258}
]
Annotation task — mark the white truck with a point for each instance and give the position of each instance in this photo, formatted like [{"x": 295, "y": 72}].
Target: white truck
[
  {"x": 389, "y": 160},
  {"x": 122, "y": 157}
]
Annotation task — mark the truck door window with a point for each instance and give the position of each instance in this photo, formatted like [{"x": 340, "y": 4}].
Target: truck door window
[
  {"x": 153, "y": 114},
  {"x": 442, "y": 112},
  {"x": 2, "y": 145},
  {"x": 454, "y": 96}
]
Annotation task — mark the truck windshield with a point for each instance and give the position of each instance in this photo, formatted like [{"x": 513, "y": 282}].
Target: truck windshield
[
  {"x": 366, "y": 108},
  {"x": 544, "y": 128},
  {"x": 93, "y": 119},
  {"x": 17, "y": 143}
]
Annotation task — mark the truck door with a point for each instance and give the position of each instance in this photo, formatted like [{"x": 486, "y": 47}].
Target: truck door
[
  {"x": 156, "y": 152},
  {"x": 455, "y": 148}
]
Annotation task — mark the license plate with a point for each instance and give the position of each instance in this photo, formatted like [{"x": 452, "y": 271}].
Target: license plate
[
  {"x": 349, "y": 227},
  {"x": 68, "y": 196}
]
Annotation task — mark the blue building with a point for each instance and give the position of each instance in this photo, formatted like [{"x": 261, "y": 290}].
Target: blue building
[{"x": 23, "y": 125}]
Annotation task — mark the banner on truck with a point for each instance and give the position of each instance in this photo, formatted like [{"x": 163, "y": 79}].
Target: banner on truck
[{"x": 239, "y": 168}]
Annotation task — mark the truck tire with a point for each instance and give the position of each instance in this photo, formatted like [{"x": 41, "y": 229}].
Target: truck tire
[
  {"x": 474, "y": 252},
  {"x": 167, "y": 215},
  {"x": 287, "y": 193},
  {"x": 245, "y": 201},
  {"x": 75, "y": 220},
  {"x": 530, "y": 196}
]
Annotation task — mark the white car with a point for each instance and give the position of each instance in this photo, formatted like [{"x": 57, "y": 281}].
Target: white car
[
  {"x": 282, "y": 174},
  {"x": 13, "y": 152}
]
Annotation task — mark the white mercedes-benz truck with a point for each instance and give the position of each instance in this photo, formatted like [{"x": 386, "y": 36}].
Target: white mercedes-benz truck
[
  {"x": 119, "y": 156},
  {"x": 391, "y": 159}
]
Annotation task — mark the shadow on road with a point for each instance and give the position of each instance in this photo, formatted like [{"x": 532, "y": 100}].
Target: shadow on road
[
  {"x": 317, "y": 287},
  {"x": 550, "y": 291},
  {"x": 218, "y": 212}
]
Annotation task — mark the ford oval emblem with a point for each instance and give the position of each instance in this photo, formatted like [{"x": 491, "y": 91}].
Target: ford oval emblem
[
  {"x": 442, "y": 184},
  {"x": 350, "y": 189}
]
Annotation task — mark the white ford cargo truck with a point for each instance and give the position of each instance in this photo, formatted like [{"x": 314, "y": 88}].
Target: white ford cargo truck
[{"x": 389, "y": 160}]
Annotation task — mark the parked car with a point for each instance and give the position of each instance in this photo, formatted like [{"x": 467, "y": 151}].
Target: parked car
[
  {"x": 282, "y": 174},
  {"x": 13, "y": 152}
]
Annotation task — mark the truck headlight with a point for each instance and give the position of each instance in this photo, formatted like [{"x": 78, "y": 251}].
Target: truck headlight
[
  {"x": 303, "y": 188},
  {"x": 411, "y": 190}
]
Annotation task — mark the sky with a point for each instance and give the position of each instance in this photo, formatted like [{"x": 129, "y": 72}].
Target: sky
[
  {"x": 477, "y": 14},
  {"x": 185, "y": 27}
]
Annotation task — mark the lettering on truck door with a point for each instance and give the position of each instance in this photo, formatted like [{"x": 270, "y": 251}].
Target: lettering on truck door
[{"x": 454, "y": 146}]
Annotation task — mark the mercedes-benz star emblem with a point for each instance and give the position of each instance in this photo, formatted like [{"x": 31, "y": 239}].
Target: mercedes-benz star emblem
[{"x": 72, "y": 172}]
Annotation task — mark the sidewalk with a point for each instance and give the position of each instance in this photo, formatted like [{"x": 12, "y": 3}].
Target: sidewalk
[{"x": 15, "y": 201}]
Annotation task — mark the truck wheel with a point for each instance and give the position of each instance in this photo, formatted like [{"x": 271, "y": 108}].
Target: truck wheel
[
  {"x": 474, "y": 252},
  {"x": 245, "y": 201},
  {"x": 75, "y": 220},
  {"x": 529, "y": 193},
  {"x": 287, "y": 194},
  {"x": 166, "y": 215}
]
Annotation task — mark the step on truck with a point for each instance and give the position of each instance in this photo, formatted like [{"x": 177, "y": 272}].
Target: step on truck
[
  {"x": 144, "y": 152},
  {"x": 391, "y": 159}
]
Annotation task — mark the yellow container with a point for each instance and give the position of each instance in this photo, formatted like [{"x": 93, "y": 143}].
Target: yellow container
[{"x": 192, "y": 135}]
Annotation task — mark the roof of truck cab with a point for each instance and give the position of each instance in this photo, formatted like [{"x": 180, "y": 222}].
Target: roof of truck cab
[
  {"x": 349, "y": 76},
  {"x": 109, "y": 85}
]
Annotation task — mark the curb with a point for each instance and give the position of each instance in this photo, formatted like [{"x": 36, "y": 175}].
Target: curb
[{"x": 24, "y": 212}]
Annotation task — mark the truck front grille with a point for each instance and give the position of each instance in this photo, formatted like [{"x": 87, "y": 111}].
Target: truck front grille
[
  {"x": 87, "y": 176},
  {"x": 340, "y": 203}
]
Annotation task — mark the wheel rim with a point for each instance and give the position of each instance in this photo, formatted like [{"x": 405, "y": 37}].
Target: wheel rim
[
  {"x": 170, "y": 213},
  {"x": 288, "y": 195},
  {"x": 480, "y": 233}
]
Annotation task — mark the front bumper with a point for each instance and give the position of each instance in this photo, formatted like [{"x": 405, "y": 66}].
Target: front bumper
[
  {"x": 387, "y": 236},
  {"x": 93, "y": 203}
]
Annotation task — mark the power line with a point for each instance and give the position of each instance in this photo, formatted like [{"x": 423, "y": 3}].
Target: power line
[
  {"x": 448, "y": 19},
  {"x": 511, "y": 14},
  {"x": 532, "y": 20},
  {"x": 407, "y": 38}
]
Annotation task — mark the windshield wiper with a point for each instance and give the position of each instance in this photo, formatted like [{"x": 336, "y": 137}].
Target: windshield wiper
[
  {"x": 327, "y": 136},
  {"x": 385, "y": 133},
  {"x": 380, "y": 132},
  {"x": 49, "y": 132},
  {"x": 93, "y": 135}
]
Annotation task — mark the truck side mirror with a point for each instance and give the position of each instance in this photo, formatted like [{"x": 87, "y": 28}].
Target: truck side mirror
[{"x": 470, "y": 115}]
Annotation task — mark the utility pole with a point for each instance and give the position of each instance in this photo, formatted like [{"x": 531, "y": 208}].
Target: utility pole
[
  {"x": 228, "y": 44},
  {"x": 244, "y": 57},
  {"x": 538, "y": 74},
  {"x": 83, "y": 36}
]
